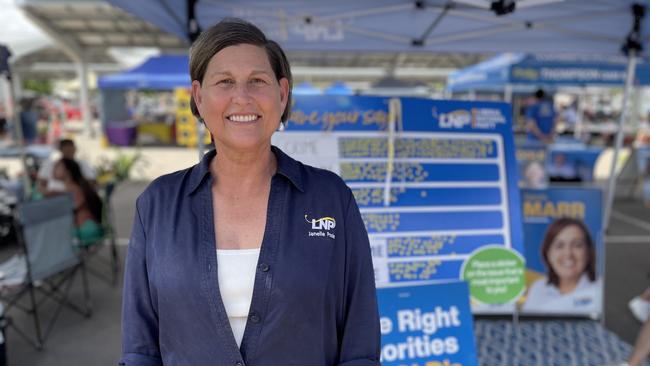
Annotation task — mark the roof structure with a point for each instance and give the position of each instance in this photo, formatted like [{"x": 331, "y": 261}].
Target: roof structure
[{"x": 93, "y": 26}]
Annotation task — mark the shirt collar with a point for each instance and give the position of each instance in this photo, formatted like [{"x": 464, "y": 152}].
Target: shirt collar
[
  {"x": 583, "y": 282},
  {"x": 287, "y": 167}
]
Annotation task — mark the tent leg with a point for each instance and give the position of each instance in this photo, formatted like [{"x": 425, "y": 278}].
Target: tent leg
[
  {"x": 620, "y": 134},
  {"x": 507, "y": 93},
  {"x": 577, "y": 129}
]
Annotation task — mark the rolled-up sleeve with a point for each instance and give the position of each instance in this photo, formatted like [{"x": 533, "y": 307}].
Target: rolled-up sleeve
[
  {"x": 360, "y": 344},
  {"x": 139, "y": 315}
]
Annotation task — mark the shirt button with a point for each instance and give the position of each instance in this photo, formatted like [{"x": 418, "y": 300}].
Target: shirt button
[
  {"x": 264, "y": 267},
  {"x": 255, "y": 318},
  {"x": 239, "y": 363}
]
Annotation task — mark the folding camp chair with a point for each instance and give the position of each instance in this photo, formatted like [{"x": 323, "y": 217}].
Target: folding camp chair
[
  {"x": 48, "y": 266},
  {"x": 91, "y": 250}
]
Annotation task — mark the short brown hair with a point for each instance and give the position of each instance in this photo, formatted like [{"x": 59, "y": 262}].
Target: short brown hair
[
  {"x": 232, "y": 32},
  {"x": 552, "y": 231}
]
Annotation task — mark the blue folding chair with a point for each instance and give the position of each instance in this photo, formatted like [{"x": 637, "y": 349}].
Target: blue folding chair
[{"x": 47, "y": 268}]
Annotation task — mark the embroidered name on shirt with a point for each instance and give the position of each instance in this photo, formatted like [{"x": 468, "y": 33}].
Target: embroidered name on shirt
[
  {"x": 582, "y": 301},
  {"x": 323, "y": 226}
]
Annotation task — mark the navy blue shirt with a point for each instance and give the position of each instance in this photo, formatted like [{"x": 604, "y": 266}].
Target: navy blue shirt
[{"x": 314, "y": 300}]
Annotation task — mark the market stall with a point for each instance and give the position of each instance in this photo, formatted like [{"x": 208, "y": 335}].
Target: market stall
[
  {"x": 143, "y": 105},
  {"x": 587, "y": 81}
]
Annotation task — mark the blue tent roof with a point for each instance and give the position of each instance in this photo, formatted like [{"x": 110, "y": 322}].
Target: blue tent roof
[
  {"x": 306, "y": 88},
  {"x": 339, "y": 88},
  {"x": 160, "y": 73},
  {"x": 550, "y": 70}
]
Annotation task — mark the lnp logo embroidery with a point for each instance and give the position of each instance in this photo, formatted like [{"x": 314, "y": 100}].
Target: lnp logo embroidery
[{"x": 323, "y": 225}]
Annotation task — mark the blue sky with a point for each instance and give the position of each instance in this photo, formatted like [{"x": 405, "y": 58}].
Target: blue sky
[
  {"x": 17, "y": 32},
  {"x": 23, "y": 37}
]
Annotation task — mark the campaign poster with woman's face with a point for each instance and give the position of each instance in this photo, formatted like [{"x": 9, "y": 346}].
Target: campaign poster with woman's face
[{"x": 563, "y": 249}]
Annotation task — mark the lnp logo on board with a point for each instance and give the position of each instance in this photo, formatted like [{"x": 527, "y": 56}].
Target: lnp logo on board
[
  {"x": 456, "y": 119},
  {"x": 322, "y": 226}
]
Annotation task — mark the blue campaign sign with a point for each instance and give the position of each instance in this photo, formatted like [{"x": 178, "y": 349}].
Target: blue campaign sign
[
  {"x": 567, "y": 73},
  {"x": 563, "y": 247},
  {"x": 426, "y": 325},
  {"x": 572, "y": 163},
  {"x": 434, "y": 180},
  {"x": 520, "y": 70}
]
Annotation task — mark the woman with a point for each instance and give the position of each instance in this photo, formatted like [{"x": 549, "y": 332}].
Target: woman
[
  {"x": 249, "y": 257},
  {"x": 87, "y": 203},
  {"x": 570, "y": 258}
]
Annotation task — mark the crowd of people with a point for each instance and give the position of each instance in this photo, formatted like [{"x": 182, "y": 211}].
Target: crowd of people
[{"x": 41, "y": 119}]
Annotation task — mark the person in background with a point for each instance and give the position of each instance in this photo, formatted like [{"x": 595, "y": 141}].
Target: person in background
[
  {"x": 561, "y": 170},
  {"x": 570, "y": 284},
  {"x": 87, "y": 203},
  {"x": 48, "y": 185},
  {"x": 569, "y": 114},
  {"x": 640, "y": 307},
  {"x": 3, "y": 122},
  {"x": 28, "y": 120},
  {"x": 540, "y": 119}
]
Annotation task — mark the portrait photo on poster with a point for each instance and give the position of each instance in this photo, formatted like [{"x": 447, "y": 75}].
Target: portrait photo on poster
[{"x": 562, "y": 230}]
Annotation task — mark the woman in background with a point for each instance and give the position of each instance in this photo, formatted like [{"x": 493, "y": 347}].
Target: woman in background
[{"x": 87, "y": 203}]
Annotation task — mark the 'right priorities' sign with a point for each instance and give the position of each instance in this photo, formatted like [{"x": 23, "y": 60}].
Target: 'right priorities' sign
[{"x": 426, "y": 325}]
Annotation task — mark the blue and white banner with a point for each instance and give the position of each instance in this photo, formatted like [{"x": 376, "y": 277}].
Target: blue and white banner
[
  {"x": 522, "y": 71},
  {"x": 426, "y": 325},
  {"x": 434, "y": 180},
  {"x": 563, "y": 230}
]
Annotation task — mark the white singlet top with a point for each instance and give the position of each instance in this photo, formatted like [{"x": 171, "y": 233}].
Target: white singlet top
[{"x": 236, "y": 271}]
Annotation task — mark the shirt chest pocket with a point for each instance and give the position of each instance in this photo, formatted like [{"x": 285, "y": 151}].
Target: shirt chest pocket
[
  {"x": 179, "y": 273},
  {"x": 307, "y": 272}
]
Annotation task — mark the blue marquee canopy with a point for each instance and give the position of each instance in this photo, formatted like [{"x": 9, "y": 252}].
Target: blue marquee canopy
[
  {"x": 163, "y": 72},
  {"x": 339, "y": 88},
  {"x": 413, "y": 26}
]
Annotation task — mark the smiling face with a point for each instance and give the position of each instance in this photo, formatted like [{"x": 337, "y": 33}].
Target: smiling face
[
  {"x": 568, "y": 253},
  {"x": 240, "y": 99}
]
